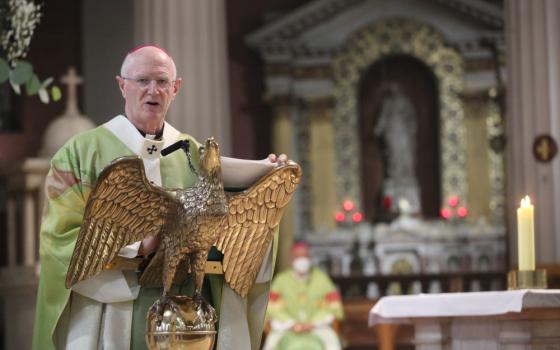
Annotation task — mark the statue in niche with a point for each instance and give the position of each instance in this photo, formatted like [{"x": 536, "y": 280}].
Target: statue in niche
[{"x": 396, "y": 126}]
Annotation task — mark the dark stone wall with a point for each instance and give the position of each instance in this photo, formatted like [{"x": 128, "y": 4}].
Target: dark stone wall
[
  {"x": 54, "y": 47},
  {"x": 251, "y": 118}
]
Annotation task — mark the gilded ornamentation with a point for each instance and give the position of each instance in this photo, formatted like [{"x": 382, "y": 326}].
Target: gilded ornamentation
[
  {"x": 188, "y": 326},
  {"x": 302, "y": 124},
  {"x": 496, "y": 168},
  {"x": 124, "y": 208},
  {"x": 364, "y": 48}
]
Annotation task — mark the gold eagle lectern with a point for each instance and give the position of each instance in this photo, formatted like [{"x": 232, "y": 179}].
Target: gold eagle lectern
[{"x": 124, "y": 207}]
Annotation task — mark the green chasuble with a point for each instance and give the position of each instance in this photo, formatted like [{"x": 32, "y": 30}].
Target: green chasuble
[
  {"x": 305, "y": 301},
  {"x": 296, "y": 300},
  {"x": 74, "y": 171}
]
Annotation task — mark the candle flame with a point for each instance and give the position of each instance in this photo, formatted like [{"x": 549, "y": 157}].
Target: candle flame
[{"x": 526, "y": 202}]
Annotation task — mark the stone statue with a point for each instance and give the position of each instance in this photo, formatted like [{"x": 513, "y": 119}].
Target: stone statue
[{"x": 396, "y": 126}]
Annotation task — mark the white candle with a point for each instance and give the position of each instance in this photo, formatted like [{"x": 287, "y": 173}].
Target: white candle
[{"x": 526, "y": 235}]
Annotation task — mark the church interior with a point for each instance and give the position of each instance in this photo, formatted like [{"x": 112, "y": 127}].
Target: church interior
[{"x": 419, "y": 126}]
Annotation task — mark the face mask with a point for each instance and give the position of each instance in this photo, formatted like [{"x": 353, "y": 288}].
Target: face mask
[{"x": 301, "y": 265}]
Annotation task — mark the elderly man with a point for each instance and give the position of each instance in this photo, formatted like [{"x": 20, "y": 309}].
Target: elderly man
[
  {"x": 304, "y": 303},
  {"x": 108, "y": 311}
]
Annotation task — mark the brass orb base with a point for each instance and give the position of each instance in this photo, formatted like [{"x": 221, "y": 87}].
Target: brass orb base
[
  {"x": 180, "y": 323},
  {"x": 532, "y": 279}
]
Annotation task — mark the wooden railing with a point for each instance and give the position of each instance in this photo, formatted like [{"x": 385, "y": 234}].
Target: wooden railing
[
  {"x": 356, "y": 286},
  {"x": 25, "y": 195}
]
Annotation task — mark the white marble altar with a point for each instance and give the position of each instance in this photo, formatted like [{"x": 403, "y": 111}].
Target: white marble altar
[{"x": 505, "y": 320}]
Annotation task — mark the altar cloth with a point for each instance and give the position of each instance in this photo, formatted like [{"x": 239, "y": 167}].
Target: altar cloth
[{"x": 403, "y": 308}]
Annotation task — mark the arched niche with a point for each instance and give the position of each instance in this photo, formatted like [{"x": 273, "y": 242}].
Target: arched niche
[
  {"x": 389, "y": 37},
  {"x": 416, "y": 81}
]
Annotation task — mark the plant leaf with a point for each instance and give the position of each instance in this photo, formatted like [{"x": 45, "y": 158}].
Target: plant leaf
[
  {"x": 4, "y": 70},
  {"x": 22, "y": 72},
  {"x": 43, "y": 96},
  {"x": 47, "y": 82},
  {"x": 33, "y": 85},
  {"x": 55, "y": 93},
  {"x": 16, "y": 87}
]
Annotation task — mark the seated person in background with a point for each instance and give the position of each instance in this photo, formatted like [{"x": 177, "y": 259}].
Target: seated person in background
[{"x": 302, "y": 307}]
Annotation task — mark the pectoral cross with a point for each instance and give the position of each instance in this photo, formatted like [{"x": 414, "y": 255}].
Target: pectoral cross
[{"x": 151, "y": 149}]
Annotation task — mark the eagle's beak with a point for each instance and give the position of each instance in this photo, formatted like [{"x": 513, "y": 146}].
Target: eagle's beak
[{"x": 212, "y": 155}]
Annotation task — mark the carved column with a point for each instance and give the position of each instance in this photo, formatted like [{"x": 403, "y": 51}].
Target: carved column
[
  {"x": 282, "y": 142},
  {"x": 533, "y": 87},
  {"x": 11, "y": 209},
  {"x": 301, "y": 135},
  {"x": 194, "y": 33},
  {"x": 29, "y": 229},
  {"x": 26, "y": 186},
  {"x": 322, "y": 159}
]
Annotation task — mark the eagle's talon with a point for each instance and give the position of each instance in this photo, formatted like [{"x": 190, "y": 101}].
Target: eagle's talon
[
  {"x": 162, "y": 304},
  {"x": 157, "y": 309}
]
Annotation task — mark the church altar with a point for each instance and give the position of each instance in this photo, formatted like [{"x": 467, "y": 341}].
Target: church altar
[{"x": 506, "y": 320}]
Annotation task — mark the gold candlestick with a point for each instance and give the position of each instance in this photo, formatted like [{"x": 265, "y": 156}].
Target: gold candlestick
[{"x": 527, "y": 279}]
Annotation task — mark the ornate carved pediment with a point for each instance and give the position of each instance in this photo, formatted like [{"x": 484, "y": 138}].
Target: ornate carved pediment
[{"x": 321, "y": 28}]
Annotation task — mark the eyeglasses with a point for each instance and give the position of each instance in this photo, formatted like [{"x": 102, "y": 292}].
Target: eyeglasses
[{"x": 162, "y": 84}]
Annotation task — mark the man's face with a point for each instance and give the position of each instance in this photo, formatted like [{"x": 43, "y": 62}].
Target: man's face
[
  {"x": 300, "y": 259},
  {"x": 148, "y": 86}
]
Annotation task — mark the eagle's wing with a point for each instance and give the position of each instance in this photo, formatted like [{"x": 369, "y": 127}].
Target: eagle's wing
[
  {"x": 249, "y": 227},
  {"x": 123, "y": 208}
]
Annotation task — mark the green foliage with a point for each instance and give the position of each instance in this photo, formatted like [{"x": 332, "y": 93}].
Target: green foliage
[
  {"x": 33, "y": 85},
  {"x": 18, "y": 20},
  {"x": 22, "y": 75},
  {"x": 47, "y": 82},
  {"x": 4, "y": 70},
  {"x": 44, "y": 95},
  {"x": 55, "y": 93}
]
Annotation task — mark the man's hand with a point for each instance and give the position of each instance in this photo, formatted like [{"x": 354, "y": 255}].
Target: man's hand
[
  {"x": 148, "y": 246},
  {"x": 280, "y": 160},
  {"x": 302, "y": 327},
  {"x": 243, "y": 173}
]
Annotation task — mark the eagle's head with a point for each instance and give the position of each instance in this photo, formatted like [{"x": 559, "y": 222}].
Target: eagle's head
[{"x": 210, "y": 158}]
